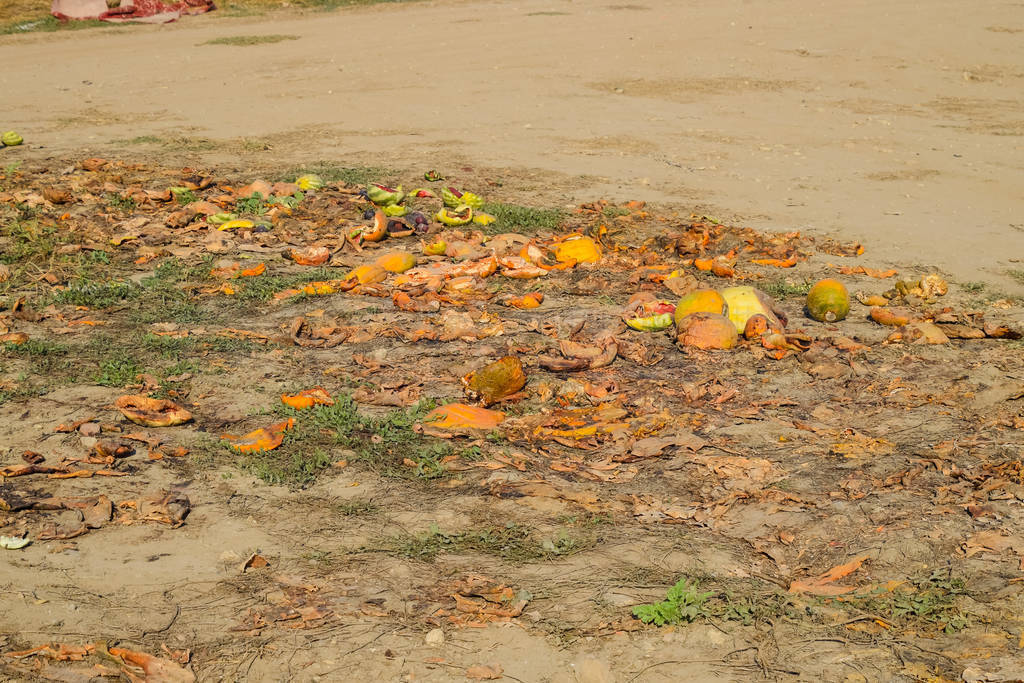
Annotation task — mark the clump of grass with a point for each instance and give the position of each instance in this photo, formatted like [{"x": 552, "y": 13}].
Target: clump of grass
[
  {"x": 1017, "y": 274},
  {"x": 387, "y": 445},
  {"x": 253, "y": 205},
  {"x": 243, "y": 41},
  {"x": 117, "y": 372},
  {"x": 184, "y": 196},
  {"x": 933, "y": 600},
  {"x": 28, "y": 240},
  {"x": 353, "y": 508},
  {"x": 332, "y": 173},
  {"x": 682, "y": 604},
  {"x": 35, "y": 347},
  {"x": 614, "y": 211},
  {"x": 93, "y": 294},
  {"x": 143, "y": 140},
  {"x": 973, "y": 287},
  {"x": 784, "y": 289},
  {"x": 49, "y": 24},
  {"x": 514, "y": 217},
  {"x": 119, "y": 203},
  {"x": 512, "y": 543},
  {"x": 263, "y": 288},
  {"x": 291, "y": 467}
]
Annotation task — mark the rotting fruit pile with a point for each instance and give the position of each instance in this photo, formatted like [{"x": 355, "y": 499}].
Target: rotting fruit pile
[{"x": 567, "y": 364}]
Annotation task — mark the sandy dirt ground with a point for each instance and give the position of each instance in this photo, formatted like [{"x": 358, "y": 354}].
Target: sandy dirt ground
[{"x": 897, "y": 125}]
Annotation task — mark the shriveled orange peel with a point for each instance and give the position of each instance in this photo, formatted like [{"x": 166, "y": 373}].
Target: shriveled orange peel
[
  {"x": 526, "y": 301},
  {"x": 309, "y": 256},
  {"x": 152, "y": 412},
  {"x": 262, "y": 439},
  {"x": 307, "y": 398},
  {"x": 462, "y": 416}
]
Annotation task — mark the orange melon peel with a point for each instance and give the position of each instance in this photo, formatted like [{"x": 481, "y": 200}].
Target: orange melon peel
[
  {"x": 307, "y": 398},
  {"x": 262, "y": 439},
  {"x": 152, "y": 412},
  {"x": 462, "y": 416}
]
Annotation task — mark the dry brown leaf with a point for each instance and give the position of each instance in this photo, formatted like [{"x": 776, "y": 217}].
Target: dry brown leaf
[
  {"x": 255, "y": 561},
  {"x": 482, "y": 672},
  {"x": 993, "y": 541},
  {"x": 823, "y": 584},
  {"x": 861, "y": 270}
]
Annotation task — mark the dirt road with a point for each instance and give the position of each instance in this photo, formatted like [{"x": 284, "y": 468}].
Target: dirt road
[{"x": 787, "y": 114}]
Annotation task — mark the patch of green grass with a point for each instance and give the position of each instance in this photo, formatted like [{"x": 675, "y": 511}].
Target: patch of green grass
[
  {"x": 1017, "y": 274},
  {"x": 166, "y": 293},
  {"x": 354, "y": 508},
  {"x": 512, "y": 543},
  {"x": 933, "y": 600},
  {"x": 48, "y": 24},
  {"x": 165, "y": 345},
  {"x": 682, "y": 604},
  {"x": 513, "y": 217},
  {"x": 387, "y": 445},
  {"x": 184, "y": 196},
  {"x": 255, "y": 145},
  {"x": 174, "y": 271},
  {"x": 332, "y": 173},
  {"x": 250, "y": 40},
  {"x": 35, "y": 347},
  {"x": 143, "y": 140},
  {"x": 973, "y": 287},
  {"x": 28, "y": 240},
  {"x": 263, "y": 288},
  {"x": 117, "y": 372},
  {"x": 93, "y": 294},
  {"x": 190, "y": 144},
  {"x": 289, "y": 201},
  {"x": 119, "y": 203},
  {"x": 336, "y": 4},
  {"x": 784, "y": 289},
  {"x": 614, "y": 211},
  {"x": 290, "y": 467},
  {"x": 685, "y": 603},
  {"x": 47, "y": 365},
  {"x": 23, "y": 391},
  {"x": 253, "y": 205}
]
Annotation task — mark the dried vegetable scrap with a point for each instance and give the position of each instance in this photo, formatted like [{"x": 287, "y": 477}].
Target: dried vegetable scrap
[{"x": 91, "y": 660}]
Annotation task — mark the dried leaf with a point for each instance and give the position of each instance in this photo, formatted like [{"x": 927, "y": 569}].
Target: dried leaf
[
  {"x": 482, "y": 672},
  {"x": 823, "y": 583},
  {"x": 255, "y": 561},
  {"x": 861, "y": 270}
]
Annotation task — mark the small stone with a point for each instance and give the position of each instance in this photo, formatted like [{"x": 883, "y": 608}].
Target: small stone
[
  {"x": 88, "y": 441},
  {"x": 435, "y": 637},
  {"x": 89, "y": 429}
]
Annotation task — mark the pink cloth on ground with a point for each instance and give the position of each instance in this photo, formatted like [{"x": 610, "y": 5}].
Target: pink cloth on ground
[{"x": 148, "y": 11}]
